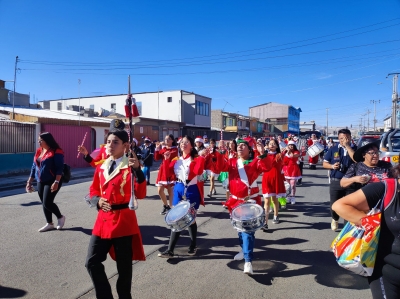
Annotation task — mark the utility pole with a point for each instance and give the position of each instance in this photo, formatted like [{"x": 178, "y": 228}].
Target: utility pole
[
  {"x": 375, "y": 121},
  {"x": 368, "y": 112},
  {"x": 15, "y": 79},
  {"x": 395, "y": 99},
  {"x": 327, "y": 109}
]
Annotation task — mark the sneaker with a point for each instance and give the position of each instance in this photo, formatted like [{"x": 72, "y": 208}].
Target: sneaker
[
  {"x": 215, "y": 192},
  {"x": 248, "y": 268},
  {"x": 209, "y": 194},
  {"x": 275, "y": 220},
  {"x": 165, "y": 210},
  {"x": 292, "y": 200},
  {"x": 239, "y": 256},
  {"x": 265, "y": 227},
  {"x": 192, "y": 250},
  {"x": 47, "y": 227},
  {"x": 299, "y": 184},
  {"x": 288, "y": 200},
  {"x": 334, "y": 225},
  {"x": 61, "y": 223},
  {"x": 166, "y": 254},
  {"x": 283, "y": 207}
]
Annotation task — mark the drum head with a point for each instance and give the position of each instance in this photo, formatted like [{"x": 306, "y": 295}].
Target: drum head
[
  {"x": 247, "y": 211},
  {"x": 177, "y": 212}
]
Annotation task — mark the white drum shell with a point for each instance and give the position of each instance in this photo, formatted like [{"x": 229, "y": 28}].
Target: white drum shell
[
  {"x": 248, "y": 217},
  {"x": 315, "y": 150},
  {"x": 180, "y": 216}
]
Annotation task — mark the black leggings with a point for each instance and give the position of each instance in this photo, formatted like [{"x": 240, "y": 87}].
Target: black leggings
[
  {"x": 47, "y": 198},
  {"x": 175, "y": 236}
]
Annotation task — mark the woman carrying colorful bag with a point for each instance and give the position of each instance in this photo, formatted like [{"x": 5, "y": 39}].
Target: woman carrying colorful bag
[{"x": 385, "y": 279}]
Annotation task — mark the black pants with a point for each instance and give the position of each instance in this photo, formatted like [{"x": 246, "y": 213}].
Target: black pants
[
  {"x": 97, "y": 254},
  {"x": 301, "y": 164},
  {"x": 336, "y": 192},
  {"x": 387, "y": 284},
  {"x": 47, "y": 198}
]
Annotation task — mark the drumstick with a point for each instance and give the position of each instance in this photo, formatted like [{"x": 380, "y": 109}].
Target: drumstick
[{"x": 84, "y": 138}]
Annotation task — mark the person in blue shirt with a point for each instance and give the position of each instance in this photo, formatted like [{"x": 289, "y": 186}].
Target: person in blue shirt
[
  {"x": 338, "y": 160},
  {"x": 47, "y": 168}
]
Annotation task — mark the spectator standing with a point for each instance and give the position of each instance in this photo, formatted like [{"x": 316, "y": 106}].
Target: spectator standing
[
  {"x": 338, "y": 159},
  {"x": 147, "y": 150}
]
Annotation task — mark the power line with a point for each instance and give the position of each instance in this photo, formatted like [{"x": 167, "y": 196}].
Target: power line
[{"x": 251, "y": 50}]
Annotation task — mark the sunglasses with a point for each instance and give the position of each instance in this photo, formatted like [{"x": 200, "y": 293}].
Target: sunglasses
[{"x": 373, "y": 153}]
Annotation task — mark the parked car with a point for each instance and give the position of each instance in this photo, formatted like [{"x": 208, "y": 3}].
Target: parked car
[
  {"x": 390, "y": 146},
  {"x": 367, "y": 138}
]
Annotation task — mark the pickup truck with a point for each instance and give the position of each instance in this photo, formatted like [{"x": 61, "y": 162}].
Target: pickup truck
[{"x": 390, "y": 146}]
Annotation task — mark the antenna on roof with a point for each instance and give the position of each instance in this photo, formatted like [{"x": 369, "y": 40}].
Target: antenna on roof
[{"x": 226, "y": 102}]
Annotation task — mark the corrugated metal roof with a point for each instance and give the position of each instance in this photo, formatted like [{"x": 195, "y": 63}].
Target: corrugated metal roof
[{"x": 41, "y": 113}]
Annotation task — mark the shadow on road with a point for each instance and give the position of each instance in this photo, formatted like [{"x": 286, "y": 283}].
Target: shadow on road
[
  {"x": 6, "y": 292},
  {"x": 32, "y": 203},
  {"x": 86, "y": 231},
  {"x": 271, "y": 263}
]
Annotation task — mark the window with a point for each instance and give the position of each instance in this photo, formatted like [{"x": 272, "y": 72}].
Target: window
[
  {"x": 202, "y": 108},
  {"x": 59, "y": 106},
  {"x": 169, "y": 99},
  {"x": 113, "y": 106},
  {"x": 91, "y": 107}
]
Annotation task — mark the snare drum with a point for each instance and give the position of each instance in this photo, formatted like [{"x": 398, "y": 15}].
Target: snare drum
[
  {"x": 248, "y": 217},
  {"x": 315, "y": 150},
  {"x": 180, "y": 216}
]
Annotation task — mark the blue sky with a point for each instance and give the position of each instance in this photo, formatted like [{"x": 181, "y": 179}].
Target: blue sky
[{"x": 310, "y": 54}]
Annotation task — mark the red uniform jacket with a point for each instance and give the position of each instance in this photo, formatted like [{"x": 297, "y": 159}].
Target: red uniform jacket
[
  {"x": 163, "y": 177},
  {"x": 116, "y": 188},
  {"x": 196, "y": 168},
  {"x": 101, "y": 157}
]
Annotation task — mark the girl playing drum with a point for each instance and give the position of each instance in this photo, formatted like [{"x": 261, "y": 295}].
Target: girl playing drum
[
  {"x": 185, "y": 170},
  {"x": 243, "y": 173}
]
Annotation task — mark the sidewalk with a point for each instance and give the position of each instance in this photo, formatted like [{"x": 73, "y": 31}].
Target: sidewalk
[{"x": 19, "y": 181}]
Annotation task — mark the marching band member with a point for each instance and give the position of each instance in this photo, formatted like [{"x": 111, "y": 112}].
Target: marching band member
[
  {"x": 186, "y": 170},
  {"x": 164, "y": 180},
  {"x": 116, "y": 230},
  {"x": 243, "y": 174},
  {"x": 115, "y": 125},
  {"x": 312, "y": 162},
  {"x": 230, "y": 153},
  {"x": 199, "y": 142},
  {"x": 292, "y": 170},
  {"x": 209, "y": 167},
  {"x": 273, "y": 185}
]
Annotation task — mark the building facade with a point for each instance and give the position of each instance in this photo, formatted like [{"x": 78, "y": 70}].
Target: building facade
[
  {"x": 285, "y": 118},
  {"x": 176, "y": 106}
]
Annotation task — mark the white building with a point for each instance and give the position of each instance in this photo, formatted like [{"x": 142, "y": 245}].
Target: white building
[
  {"x": 387, "y": 123},
  {"x": 177, "y": 105}
]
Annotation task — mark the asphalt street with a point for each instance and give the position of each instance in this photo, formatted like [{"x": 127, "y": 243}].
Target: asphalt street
[{"x": 292, "y": 260}]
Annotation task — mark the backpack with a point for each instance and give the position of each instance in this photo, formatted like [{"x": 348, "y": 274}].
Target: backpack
[{"x": 66, "y": 175}]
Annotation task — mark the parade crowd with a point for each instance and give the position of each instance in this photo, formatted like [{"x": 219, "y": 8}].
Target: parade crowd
[{"x": 356, "y": 183}]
